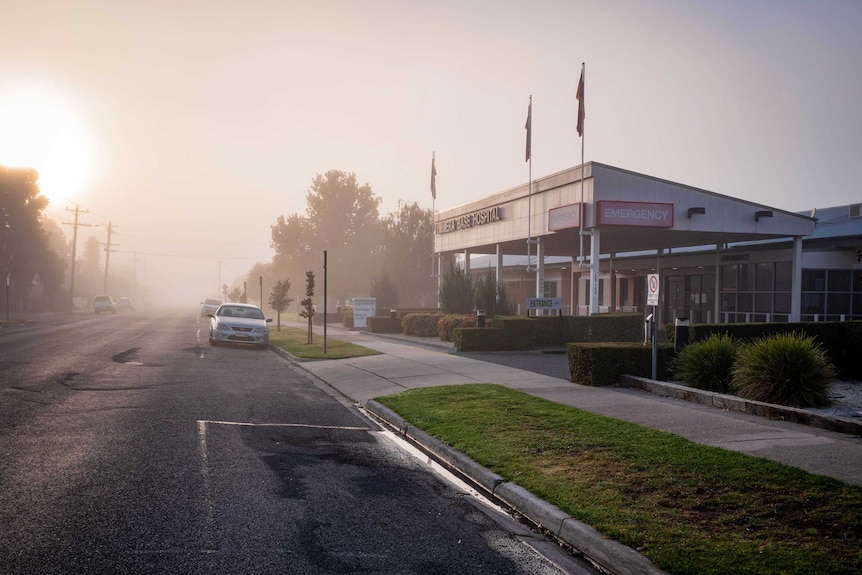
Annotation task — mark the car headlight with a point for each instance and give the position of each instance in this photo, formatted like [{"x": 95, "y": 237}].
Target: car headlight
[{"x": 260, "y": 330}]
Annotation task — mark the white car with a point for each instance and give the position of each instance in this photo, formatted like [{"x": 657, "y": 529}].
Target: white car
[
  {"x": 240, "y": 323},
  {"x": 104, "y": 303},
  {"x": 209, "y": 306}
]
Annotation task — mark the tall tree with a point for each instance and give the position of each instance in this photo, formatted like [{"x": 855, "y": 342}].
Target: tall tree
[
  {"x": 25, "y": 253},
  {"x": 407, "y": 244},
  {"x": 341, "y": 217},
  {"x": 456, "y": 290}
]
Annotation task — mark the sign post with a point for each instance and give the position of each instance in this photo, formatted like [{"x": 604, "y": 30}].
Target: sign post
[{"x": 653, "y": 284}]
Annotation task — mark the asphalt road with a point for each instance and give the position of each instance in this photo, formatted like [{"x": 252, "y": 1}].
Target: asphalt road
[{"x": 128, "y": 445}]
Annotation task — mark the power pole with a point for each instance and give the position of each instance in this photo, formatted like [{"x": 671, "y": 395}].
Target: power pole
[
  {"x": 107, "y": 258},
  {"x": 74, "y": 248}
]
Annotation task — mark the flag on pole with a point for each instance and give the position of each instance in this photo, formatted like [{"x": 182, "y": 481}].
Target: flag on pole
[
  {"x": 433, "y": 178},
  {"x": 580, "y": 97},
  {"x": 529, "y": 127}
]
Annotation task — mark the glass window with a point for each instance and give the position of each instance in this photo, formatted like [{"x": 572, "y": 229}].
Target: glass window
[
  {"x": 550, "y": 289},
  {"x": 857, "y": 281},
  {"x": 839, "y": 280},
  {"x": 813, "y": 280},
  {"x": 746, "y": 277},
  {"x": 812, "y": 303},
  {"x": 729, "y": 277},
  {"x": 782, "y": 303},
  {"x": 744, "y": 302},
  {"x": 728, "y": 302},
  {"x": 765, "y": 273},
  {"x": 763, "y": 302},
  {"x": 783, "y": 276},
  {"x": 857, "y": 305},
  {"x": 838, "y": 303}
]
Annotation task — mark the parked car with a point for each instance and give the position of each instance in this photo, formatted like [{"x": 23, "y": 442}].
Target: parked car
[
  {"x": 209, "y": 306},
  {"x": 104, "y": 303},
  {"x": 125, "y": 303},
  {"x": 240, "y": 323}
]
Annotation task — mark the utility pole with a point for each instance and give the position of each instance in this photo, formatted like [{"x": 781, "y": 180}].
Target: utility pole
[
  {"x": 74, "y": 247},
  {"x": 107, "y": 258}
]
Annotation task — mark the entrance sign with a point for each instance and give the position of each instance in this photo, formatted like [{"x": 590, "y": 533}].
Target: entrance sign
[
  {"x": 652, "y": 289},
  {"x": 363, "y": 308},
  {"x": 636, "y": 214},
  {"x": 544, "y": 303}
]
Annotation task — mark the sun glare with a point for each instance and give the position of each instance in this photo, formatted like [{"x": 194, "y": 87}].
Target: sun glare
[{"x": 37, "y": 131}]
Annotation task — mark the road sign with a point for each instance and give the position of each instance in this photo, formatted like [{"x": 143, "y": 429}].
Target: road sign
[
  {"x": 544, "y": 303},
  {"x": 652, "y": 289}
]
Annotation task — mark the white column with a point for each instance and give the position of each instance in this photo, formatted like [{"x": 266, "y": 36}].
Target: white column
[
  {"x": 594, "y": 270},
  {"x": 540, "y": 271},
  {"x": 499, "y": 264},
  {"x": 796, "y": 282}
]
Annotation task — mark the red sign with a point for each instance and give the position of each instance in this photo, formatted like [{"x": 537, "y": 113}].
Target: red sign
[{"x": 637, "y": 214}]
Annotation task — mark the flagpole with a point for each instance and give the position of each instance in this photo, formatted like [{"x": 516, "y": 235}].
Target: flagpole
[
  {"x": 582, "y": 134},
  {"x": 529, "y": 127},
  {"x": 433, "y": 214}
]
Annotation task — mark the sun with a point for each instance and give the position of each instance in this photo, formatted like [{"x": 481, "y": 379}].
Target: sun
[{"x": 38, "y": 130}]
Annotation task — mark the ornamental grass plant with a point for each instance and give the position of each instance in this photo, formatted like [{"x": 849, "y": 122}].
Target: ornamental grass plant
[
  {"x": 786, "y": 369},
  {"x": 707, "y": 364}
]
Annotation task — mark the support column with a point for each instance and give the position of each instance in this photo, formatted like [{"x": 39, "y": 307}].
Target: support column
[
  {"x": 595, "y": 238},
  {"x": 499, "y": 264},
  {"x": 717, "y": 303},
  {"x": 796, "y": 282},
  {"x": 540, "y": 271}
]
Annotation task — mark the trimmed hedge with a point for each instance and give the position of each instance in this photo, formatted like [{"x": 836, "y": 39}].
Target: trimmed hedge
[
  {"x": 602, "y": 364},
  {"x": 421, "y": 324},
  {"x": 383, "y": 324},
  {"x": 508, "y": 334}
]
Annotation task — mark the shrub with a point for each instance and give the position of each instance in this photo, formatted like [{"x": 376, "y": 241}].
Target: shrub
[
  {"x": 446, "y": 324},
  {"x": 785, "y": 369},
  {"x": 456, "y": 290},
  {"x": 421, "y": 324},
  {"x": 707, "y": 364},
  {"x": 347, "y": 317}
]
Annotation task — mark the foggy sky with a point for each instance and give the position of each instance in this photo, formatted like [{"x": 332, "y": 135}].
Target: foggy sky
[{"x": 209, "y": 119}]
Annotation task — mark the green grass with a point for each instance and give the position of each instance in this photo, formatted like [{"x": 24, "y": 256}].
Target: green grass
[
  {"x": 293, "y": 340},
  {"x": 690, "y": 508}
]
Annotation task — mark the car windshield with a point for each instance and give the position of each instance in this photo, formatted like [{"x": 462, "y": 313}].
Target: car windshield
[{"x": 236, "y": 311}]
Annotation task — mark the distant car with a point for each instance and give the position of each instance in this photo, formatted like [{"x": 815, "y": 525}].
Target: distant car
[
  {"x": 104, "y": 303},
  {"x": 125, "y": 303},
  {"x": 209, "y": 306},
  {"x": 240, "y": 323}
]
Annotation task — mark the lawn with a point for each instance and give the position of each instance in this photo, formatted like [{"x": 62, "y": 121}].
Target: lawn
[
  {"x": 690, "y": 508},
  {"x": 294, "y": 341}
]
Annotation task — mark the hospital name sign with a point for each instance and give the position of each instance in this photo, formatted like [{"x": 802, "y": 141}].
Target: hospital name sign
[
  {"x": 473, "y": 219},
  {"x": 639, "y": 214}
]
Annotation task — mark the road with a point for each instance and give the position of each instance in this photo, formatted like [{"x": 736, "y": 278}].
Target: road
[{"x": 128, "y": 445}]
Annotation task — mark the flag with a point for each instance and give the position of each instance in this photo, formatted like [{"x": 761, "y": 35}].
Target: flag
[
  {"x": 433, "y": 178},
  {"x": 529, "y": 127},
  {"x": 580, "y": 97}
]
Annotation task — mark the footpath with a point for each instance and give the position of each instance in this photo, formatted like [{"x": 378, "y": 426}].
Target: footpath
[{"x": 406, "y": 363}]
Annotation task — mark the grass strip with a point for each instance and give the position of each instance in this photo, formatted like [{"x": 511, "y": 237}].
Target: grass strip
[
  {"x": 692, "y": 509},
  {"x": 294, "y": 341}
]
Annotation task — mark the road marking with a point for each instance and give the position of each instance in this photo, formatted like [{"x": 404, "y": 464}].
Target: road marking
[{"x": 203, "y": 422}]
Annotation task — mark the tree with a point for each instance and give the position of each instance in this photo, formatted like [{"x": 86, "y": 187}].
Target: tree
[
  {"x": 408, "y": 246},
  {"x": 384, "y": 291},
  {"x": 279, "y": 300},
  {"x": 307, "y": 310},
  {"x": 341, "y": 217},
  {"x": 25, "y": 254},
  {"x": 456, "y": 290},
  {"x": 235, "y": 295},
  {"x": 491, "y": 297}
]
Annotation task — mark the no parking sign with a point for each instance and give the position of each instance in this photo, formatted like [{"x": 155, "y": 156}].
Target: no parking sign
[{"x": 652, "y": 289}]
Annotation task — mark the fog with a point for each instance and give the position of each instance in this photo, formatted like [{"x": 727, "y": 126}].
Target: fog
[{"x": 191, "y": 126}]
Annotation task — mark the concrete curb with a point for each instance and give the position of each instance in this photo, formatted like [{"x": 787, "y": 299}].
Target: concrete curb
[
  {"x": 611, "y": 555},
  {"x": 738, "y": 404}
]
